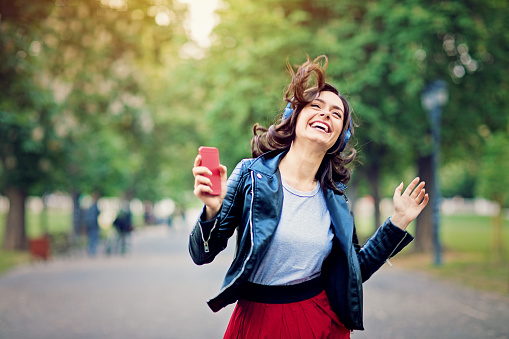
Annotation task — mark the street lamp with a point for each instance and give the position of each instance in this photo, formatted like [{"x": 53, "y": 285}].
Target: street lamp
[{"x": 434, "y": 97}]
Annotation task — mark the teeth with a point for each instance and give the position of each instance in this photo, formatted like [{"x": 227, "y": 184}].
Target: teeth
[{"x": 320, "y": 125}]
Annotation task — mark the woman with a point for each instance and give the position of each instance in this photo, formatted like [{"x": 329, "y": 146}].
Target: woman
[{"x": 298, "y": 269}]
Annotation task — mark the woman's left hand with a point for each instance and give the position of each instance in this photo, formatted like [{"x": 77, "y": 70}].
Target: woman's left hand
[{"x": 409, "y": 204}]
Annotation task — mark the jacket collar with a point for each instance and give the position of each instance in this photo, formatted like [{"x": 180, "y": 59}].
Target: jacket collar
[{"x": 268, "y": 163}]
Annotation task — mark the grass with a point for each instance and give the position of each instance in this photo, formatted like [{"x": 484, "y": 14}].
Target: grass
[
  {"x": 9, "y": 259},
  {"x": 467, "y": 256},
  {"x": 472, "y": 234}
]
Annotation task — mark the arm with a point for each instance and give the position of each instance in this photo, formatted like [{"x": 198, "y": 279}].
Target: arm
[
  {"x": 387, "y": 241},
  {"x": 391, "y": 237},
  {"x": 217, "y": 224}
]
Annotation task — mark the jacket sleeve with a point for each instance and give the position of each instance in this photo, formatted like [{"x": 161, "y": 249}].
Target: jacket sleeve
[
  {"x": 208, "y": 238},
  {"x": 387, "y": 241}
]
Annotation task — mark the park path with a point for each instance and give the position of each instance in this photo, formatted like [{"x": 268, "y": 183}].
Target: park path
[{"x": 157, "y": 292}]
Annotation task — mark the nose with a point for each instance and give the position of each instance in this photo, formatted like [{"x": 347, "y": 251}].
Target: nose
[{"x": 325, "y": 114}]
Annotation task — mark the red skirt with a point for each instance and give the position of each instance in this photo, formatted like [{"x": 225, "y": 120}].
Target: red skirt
[{"x": 309, "y": 319}]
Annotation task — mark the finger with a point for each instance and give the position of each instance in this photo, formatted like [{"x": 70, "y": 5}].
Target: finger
[
  {"x": 411, "y": 187},
  {"x": 202, "y": 180},
  {"x": 397, "y": 191},
  {"x": 417, "y": 190},
  {"x": 424, "y": 201},
  {"x": 222, "y": 170},
  {"x": 420, "y": 196},
  {"x": 224, "y": 178},
  {"x": 198, "y": 169},
  {"x": 197, "y": 161},
  {"x": 201, "y": 170},
  {"x": 202, "y": 190}
]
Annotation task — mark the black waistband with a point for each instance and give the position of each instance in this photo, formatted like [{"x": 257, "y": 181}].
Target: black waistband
[{"x": 281, "y": 294}]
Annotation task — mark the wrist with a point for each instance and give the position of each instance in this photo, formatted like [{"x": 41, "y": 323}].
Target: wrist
[
  {"x": 211, "y": 212},
  {"x": 400, "y": 221}
]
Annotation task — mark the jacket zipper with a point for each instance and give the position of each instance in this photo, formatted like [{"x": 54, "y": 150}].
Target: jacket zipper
[
  {"x": 252, "y": 240},
  {"x": 206, "y": 242},
  {"x": 394, "y": 250}
]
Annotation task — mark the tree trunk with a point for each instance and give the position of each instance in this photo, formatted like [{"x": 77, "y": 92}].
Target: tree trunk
[
  {"x": 15, "y": 234},
  {"x": 76, "y": 214},
  {"x": 424, "y": 223},
  {"x": 374, "y": 185}
]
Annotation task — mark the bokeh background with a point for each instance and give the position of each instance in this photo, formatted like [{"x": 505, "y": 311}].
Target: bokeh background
[{"x": 116, "y": 96}]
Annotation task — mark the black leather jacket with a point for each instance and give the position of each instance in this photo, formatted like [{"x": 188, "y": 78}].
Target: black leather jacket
[{"x": 252, "y": 206}]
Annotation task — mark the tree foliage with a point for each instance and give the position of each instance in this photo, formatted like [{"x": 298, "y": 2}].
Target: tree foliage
[
  {"x": 75, "y": 115},
  {"x": 493, "y": 182},
  {"x": 97, "y": 94},
  {"x": 382, "y": 54}
]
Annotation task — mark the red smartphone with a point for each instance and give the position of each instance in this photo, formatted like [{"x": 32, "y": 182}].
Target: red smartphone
[{"x": 210, "y": 159}]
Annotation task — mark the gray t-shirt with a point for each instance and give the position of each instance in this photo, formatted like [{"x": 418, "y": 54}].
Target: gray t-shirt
[{"x": 303, "y": 239}]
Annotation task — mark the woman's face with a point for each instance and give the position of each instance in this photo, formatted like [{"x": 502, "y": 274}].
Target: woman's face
[{"x": 321, "y": 121}]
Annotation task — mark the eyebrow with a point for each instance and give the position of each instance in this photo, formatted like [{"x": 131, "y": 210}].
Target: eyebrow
[{"x": 333, "y": 106}]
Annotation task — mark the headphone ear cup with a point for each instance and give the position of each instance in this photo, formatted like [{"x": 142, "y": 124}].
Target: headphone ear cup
[{"x": 288, "y": 111}]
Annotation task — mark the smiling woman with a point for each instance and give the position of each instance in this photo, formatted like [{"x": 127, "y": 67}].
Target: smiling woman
[
  {"x": 299, "y": 269},
  {"x": 308, "y": 93}
]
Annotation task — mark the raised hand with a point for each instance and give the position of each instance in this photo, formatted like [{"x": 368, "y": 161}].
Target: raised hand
[
  {"x": 202, "y": 188},
  {"x": 409, "y": 204}
]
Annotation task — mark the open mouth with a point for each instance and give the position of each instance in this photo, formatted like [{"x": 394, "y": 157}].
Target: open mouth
[{"x": 320, "y": 126}]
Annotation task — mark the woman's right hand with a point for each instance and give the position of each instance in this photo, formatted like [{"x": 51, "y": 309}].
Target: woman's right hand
[{"x": 202, "y": 188}]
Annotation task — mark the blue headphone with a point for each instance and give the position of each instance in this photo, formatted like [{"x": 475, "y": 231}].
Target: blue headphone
[{"x": 289, "y": 111}]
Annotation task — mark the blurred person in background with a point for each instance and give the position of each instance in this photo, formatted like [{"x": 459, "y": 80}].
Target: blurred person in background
[
  {"x": 124, "y": 226},
  {"x": 298, "y": 269},
  {"x": 92, "y": 224}
]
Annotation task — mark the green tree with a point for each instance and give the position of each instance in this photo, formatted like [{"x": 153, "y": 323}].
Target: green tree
[
  {"x": 493, "y": 182},
  {"x": 91, "y": 55},
  {"x": 389, "y": 50},
  {"x": 29, "y": 145},
  {"x": 382, "y": 54},
  {"x": 92, "y": 48},
  {"x": 109, "y": 53}
]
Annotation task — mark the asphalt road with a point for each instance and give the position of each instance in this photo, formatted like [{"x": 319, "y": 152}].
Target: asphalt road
[{"x": 156, "y": 291}]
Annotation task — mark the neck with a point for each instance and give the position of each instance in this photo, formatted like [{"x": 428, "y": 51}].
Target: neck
[{"x": 299, "y": 168}]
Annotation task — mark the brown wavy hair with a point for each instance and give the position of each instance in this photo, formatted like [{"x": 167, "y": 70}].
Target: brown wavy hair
[{"x": 306, "y": 85}]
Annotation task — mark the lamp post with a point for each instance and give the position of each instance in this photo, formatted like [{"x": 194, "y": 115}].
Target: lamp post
[{"x": 434, "y": 97}]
